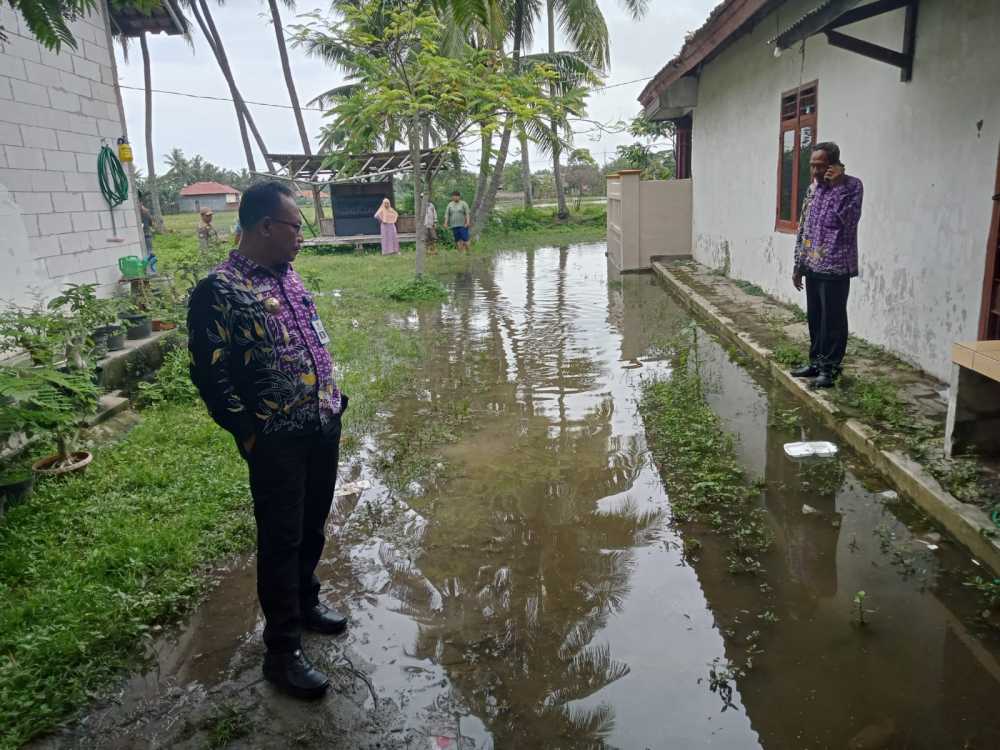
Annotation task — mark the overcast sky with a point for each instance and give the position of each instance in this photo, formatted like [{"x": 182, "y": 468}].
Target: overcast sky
[{"x": 209, "y": 128}]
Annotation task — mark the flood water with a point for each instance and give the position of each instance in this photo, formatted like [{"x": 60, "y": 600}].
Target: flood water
[{"x": 533, "y": 594}]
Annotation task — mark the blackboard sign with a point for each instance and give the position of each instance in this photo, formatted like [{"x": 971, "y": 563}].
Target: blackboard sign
[{"x": 354, "y": 207}]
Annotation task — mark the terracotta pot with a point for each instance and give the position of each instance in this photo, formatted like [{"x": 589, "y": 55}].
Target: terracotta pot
[
  {"x": 80, "y": 461},
  {"x": 163, "y": 325}
]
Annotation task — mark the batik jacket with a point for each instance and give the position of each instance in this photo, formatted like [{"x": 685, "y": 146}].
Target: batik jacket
[{"x": 257, "y": 357}]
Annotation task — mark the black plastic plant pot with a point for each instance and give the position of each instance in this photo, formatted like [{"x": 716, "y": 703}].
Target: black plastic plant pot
[
  {"x": 16, "y": 486},
  {"x": 137, "y": 327},
  {"x": 116, "y": 340},
  {"x": 99, "y": 338}
]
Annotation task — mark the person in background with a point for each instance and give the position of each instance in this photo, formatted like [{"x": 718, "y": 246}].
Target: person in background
[
  {"x": 147, "y": 224},
  {"x": 430, "y": 227},
  {"x": 237, "y": 233},
  {"x": 207, "y": 234},
  {"x": 260, "y": 363},
  {"x": 387, "y": 218},
  {"x": 456, "y": 218},
  {"x": 826, "y": 256}
]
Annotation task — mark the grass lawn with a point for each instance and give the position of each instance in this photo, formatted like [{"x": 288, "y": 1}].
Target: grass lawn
[{"x": 90, "y": 565}]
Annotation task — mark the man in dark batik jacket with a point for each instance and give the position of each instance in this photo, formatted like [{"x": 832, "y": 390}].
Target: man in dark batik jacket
[{"x": 259, "y": 360}]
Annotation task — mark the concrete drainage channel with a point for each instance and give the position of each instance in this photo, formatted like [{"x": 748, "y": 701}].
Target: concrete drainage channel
[{"x": 971, "y": 526}]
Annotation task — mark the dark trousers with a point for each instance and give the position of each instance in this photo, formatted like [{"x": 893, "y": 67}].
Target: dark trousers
[
  {"x": 292, "y": 482},
  {"x": 826, "y": 309}
]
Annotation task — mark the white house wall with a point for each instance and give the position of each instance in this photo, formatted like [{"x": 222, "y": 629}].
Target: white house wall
[
  {"x": 925, "y": 150},
  {"x": 54, "y": 111}
]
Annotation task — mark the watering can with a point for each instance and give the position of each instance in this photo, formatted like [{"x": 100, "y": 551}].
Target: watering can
[{"x": 132, "y": 266}]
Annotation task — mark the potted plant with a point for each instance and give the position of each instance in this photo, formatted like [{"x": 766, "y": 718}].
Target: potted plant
[
  {"x": 168, "y": 311},
  {"x": 46, "y": 401},
  {"x": 84, "y": 313},
  {"x": 16, "y": 483},
  {"x": 36, "y": 330},
  {"x": 138, "y": 323}
]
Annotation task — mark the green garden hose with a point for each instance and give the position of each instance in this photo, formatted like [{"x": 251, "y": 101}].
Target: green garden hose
[{"x": 114, "y": 183}]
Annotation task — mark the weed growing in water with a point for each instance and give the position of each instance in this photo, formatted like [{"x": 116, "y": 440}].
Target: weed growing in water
[
  {"x": 698, "y": 462},
  {"x": 227, "y": 726},
  {"x": 785, "y": 419},
  {"x": 859, "y": 603},
  {"x": 721, "y": 673},
  {"x": 988, "y": 590},
  {"x": 419, "y": 289}
]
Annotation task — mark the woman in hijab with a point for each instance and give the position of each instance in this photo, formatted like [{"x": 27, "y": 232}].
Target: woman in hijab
[{"x": 387, "y": 217}]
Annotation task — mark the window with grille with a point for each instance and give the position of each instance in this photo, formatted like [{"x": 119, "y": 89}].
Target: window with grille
[{"x": 798, "y": 134}]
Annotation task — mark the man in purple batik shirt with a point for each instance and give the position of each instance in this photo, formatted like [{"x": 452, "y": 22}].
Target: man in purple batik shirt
[
  {"x": 826, "y": 256},
  {"x": 259, "y": 360}
]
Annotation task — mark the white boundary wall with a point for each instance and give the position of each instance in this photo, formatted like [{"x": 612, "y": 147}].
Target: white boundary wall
[{"x": 54, "y": 111}]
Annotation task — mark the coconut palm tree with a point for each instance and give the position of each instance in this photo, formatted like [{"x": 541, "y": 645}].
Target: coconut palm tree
[
  {"x": 583, "y": 23},
  {"x": 206, "y": 22},
  {"x": 151, "y": 187},
  {"x": 293, "y": 96}
]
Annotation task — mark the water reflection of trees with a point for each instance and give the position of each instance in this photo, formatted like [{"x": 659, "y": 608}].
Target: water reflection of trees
[{"x": 528, "y": 565}]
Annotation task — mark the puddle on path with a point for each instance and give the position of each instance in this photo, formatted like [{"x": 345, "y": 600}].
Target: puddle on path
[{"x": 535, "y": 596}]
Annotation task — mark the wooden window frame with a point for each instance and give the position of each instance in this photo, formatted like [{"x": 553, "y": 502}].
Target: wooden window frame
[{"x": 801, "y": 120}]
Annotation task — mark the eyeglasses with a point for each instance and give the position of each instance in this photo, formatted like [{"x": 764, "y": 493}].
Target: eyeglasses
[{"x": 296, "y": 226}]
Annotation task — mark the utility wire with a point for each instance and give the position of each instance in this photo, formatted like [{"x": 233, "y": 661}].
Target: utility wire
[{"x": 319, "y": 109}]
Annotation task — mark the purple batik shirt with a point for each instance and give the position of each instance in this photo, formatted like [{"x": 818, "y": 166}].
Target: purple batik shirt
[
  {"x": 828, "y": 243},
  {"x": 256, "y": 353}
]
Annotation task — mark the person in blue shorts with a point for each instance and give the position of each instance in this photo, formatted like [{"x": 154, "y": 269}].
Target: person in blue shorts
[{"x": 456, "y": 217}]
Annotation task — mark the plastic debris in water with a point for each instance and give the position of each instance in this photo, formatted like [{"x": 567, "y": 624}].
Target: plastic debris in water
[
  {"x": 808, "y": 449},
  {"x": 889, "y": 496}
]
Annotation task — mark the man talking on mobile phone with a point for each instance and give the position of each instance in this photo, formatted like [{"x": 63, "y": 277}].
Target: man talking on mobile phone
[
  {"x": 259, "y": 360},
  {"x": 826, "y": 257}
]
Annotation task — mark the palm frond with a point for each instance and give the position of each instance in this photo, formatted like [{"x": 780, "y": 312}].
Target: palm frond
[{"x": 583, "y": 23}]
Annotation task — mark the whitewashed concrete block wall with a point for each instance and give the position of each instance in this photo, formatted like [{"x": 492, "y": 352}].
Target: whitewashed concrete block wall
[{"x": 55, "y": 109}]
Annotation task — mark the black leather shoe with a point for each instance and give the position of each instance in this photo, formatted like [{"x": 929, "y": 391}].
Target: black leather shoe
[
  {"x": 825, "y": 380},
  {"x": 322, "y": 619},
  {"x": 806, "y": 371},
  {"x": 294, "y": 674}
]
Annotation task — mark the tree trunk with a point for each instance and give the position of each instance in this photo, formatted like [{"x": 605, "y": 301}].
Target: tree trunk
[
  {"x": 418, "y": 190},
  {"x": 237, "y": 102},
  {"x": 526, "y": 171},
  {"x": 486, "y": 146},
  {"x": 151, "y": 186},
  {"x": 293, "y": 96},
  {"x": 561, "y": 210},
  {"x": 227, "y": 71},
  {"x": 489, "y": 199}
]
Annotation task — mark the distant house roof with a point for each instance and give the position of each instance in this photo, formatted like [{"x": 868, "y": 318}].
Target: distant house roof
[
  {"x": 130, "y": 22},
  {"x": 728, "y": 21},
  {"x": 207, "y": 188}
]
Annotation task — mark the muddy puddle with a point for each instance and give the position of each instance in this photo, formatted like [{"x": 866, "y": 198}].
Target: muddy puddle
[{"x": 517, "y": 584}]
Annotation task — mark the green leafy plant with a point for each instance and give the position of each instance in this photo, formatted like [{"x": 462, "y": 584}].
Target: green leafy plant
[
  {"x": 419, "y": 289},
  {"x": 40, "y": 332},
  {"x": 45, "y": 401},
  {"x": 173, "y": 381},
  {"x": 789, "y": 355}
]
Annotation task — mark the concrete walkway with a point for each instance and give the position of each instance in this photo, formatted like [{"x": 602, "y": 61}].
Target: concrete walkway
[{"x": 907, "y": 449}]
